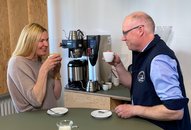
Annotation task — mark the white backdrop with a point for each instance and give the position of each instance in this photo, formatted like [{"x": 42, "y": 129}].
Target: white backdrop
[{"x": 106, "y": 17}]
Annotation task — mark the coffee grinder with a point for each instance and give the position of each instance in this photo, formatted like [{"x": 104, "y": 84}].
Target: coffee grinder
[{"x": 77, "y": 67}]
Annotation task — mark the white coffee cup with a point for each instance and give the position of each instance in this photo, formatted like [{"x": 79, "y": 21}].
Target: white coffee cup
[
  {"x": 115, "y": 81},
  {"x": 52, "y": 54},
  {"x": 110, "y": 84},
  {"x": 105, "y": 87},
  {"x": 108, "y": 56}
]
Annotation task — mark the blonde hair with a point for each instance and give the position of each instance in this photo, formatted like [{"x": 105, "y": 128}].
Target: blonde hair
[{"x": 30, "y": 34}]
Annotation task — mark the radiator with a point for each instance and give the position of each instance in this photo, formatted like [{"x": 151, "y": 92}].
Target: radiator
[{"x": 6, "y": 107}]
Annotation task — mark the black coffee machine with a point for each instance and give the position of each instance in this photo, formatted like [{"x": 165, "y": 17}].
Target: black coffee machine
[
  {"x": 98, "y": 71},
  {"x": 77, "y": 67},
  {"x": 86, "y": 70}
]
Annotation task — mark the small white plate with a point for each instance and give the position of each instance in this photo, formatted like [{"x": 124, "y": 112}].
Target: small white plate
[
  {"x": 57, "y": 111},
  {"x": 101, "y": 113}
]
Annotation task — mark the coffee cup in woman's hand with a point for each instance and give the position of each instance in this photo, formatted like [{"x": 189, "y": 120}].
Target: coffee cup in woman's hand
[
  {"x": 53, "y": 54},
  {"x": 56, "y": 59}
]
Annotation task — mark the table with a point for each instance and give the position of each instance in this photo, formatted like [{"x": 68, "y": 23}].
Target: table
[
  {"x": 40, "y": 120},
  {"x": 99, "y": 100}
]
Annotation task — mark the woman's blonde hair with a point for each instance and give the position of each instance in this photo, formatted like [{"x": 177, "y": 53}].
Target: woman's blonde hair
[{"x": 30, "y": 35}]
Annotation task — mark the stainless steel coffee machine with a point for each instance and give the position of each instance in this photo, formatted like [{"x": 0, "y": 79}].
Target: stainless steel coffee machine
[
  {"x": 98, "y": 70},
  {"x": 86, "y": 70}
]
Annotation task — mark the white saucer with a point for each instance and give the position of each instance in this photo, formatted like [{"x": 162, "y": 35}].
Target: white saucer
[
  {"x": 57, "y": 111},
  {"x": 101, "y": 113}
]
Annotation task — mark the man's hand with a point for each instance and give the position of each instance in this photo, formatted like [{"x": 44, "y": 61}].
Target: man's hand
[
  {"x": 125, "y": 111},
  {"x": 116, "y": 60}
]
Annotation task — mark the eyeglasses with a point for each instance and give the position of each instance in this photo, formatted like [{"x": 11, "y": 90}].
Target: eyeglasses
[{"x": 126, "y": 32}]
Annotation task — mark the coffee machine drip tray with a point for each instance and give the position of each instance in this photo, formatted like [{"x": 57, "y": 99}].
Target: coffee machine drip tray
[{"x": 75, "y": 86}]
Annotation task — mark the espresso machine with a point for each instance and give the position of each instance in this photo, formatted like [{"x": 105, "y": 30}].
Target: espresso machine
[{"x": 87, "y": 71}]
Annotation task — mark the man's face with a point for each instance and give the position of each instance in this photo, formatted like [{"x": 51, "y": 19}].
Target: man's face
[{"x": 131, "y": 34}]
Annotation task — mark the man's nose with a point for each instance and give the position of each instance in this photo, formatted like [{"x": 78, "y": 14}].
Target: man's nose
[{"x": 123, "y": 38}]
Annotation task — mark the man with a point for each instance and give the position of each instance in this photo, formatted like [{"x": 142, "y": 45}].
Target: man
[{"x": 154, "y": 79}]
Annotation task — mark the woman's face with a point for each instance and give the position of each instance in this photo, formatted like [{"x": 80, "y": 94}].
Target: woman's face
[{"x": 42, "y": 45}]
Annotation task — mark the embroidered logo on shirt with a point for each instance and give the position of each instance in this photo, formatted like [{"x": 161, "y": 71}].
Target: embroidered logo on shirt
[{"x": 141, "y": 76}]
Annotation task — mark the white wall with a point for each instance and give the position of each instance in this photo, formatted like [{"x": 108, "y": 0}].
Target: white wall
[{"x": 106, "y": 17}]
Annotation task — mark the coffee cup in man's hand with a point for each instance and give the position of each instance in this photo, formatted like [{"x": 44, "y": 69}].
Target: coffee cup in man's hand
[{"x": 108, "y": 56}]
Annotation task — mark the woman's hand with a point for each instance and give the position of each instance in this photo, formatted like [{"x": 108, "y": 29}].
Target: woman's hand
[{"x": 53, "y": 62}]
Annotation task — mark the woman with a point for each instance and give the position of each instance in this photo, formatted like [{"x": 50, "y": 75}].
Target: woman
[{"x": 33, "y": 81}]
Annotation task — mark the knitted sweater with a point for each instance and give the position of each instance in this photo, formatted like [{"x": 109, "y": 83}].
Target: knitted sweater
[{"x": 22, "y": 75}]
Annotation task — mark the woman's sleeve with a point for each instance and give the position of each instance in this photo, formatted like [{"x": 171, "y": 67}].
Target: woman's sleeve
[{"x": 24, "y": 79}]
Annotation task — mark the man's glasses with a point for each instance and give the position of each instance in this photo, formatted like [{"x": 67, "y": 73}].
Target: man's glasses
[{"x": 126, "y": 32}]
